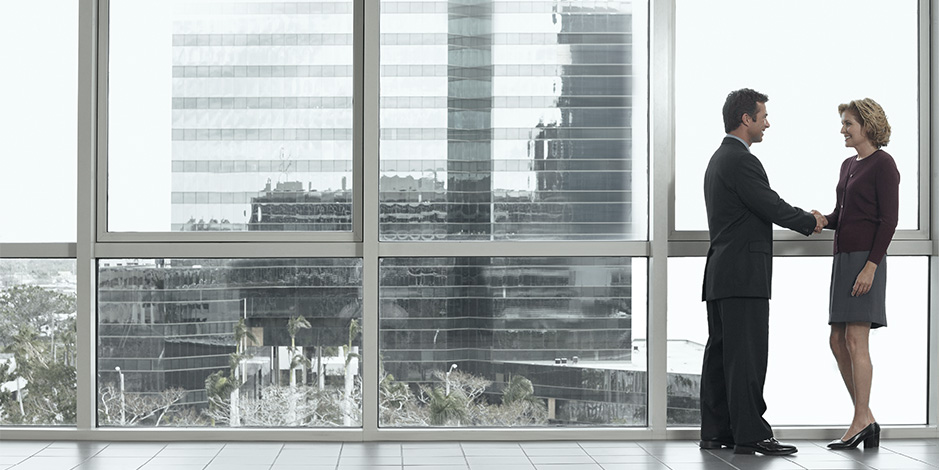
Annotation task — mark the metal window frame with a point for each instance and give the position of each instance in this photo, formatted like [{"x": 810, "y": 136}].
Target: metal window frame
[{"x": 93, "y": 242}]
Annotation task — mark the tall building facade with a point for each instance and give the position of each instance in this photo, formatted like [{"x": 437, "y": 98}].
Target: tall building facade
[{"x": 261, "y": 97}]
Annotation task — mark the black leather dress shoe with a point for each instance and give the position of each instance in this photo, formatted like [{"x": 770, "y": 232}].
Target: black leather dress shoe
[
  {"x": 766, "y": 447},
  {"x": 715, "y": 443}
]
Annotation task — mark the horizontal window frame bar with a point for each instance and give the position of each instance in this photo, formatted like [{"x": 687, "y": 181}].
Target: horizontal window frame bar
[
  {"x": 226, "y": 237},
  {"x": 805, "y": 248},
  {"x": 513, "y": 249},
  {"x": 54, "y": 250},
  {"x": 424, "y": 434},
  {"x": 227, "y": 250},
  {"x": 786, "y": 235},
  {"x": 442, "y": 249}
]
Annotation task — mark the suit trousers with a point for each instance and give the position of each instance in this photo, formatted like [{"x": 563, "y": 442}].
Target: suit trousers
[{"x": 734, "y": 370}]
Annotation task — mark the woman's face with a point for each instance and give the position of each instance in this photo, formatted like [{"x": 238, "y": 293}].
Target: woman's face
[{"x": 852, "y": 131}]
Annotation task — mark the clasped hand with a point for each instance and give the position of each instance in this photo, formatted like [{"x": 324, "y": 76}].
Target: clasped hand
[{"x": 820, "y": 221}]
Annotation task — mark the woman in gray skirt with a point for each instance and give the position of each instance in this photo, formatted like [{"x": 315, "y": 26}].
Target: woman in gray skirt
[{"x": 864, "y": 220}]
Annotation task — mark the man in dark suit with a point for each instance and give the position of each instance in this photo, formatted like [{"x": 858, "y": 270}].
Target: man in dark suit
[{"x": 741, "y": 210}]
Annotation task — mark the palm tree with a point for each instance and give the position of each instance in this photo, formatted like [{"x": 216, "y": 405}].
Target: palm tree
[
  {"x": 446, "y": 407},
  {"x": 237, "y": 365},
  {"x": 293, "y": 327},
  {"x": 519, "y": 389},
  {"x": 354, "y": 330},
  {"x": 217, "y": 388}
]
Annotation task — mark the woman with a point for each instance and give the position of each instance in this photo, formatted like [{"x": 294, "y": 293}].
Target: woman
[{"x": 864, "y": 220}]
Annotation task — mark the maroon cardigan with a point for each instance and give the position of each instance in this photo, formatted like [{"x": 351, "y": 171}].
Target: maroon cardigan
[{"x": 867, "y": 205}]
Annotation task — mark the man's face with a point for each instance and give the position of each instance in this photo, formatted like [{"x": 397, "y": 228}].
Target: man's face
[{"x": 757, "y": 124}]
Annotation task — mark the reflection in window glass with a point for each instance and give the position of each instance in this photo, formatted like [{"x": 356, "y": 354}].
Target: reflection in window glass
[
  {"x": 37, "y": 342},
  {"x": 806, "y": 76},
  {"x": 799, "y": 341},
  {"x": 39, "y": 122},
  {"x": 238, "y": 117},
  {"x": 471, "y": 342},
  {"x": 513, "y": 120},
  {"x": 244, "y": 342}
]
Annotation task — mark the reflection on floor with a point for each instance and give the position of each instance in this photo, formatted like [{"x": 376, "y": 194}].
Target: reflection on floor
[{"x": 893, "y": 454}]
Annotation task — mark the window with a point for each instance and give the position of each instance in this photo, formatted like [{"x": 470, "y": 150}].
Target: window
[
  {"x": 806, "y": 76},
  {"x": 39, "y": 121},
  {"x": 799, "y": 340},
  {"x": 236, "y": 342},
  {"x": 513, "y": 121},
  {"x": 230, "y": 116},
  {"x": 513, "y": 342},
  {"x": 38, "y": 344}
]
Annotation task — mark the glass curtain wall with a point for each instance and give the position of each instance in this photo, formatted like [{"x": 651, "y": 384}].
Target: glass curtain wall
[{"x": 508, "y": 262}]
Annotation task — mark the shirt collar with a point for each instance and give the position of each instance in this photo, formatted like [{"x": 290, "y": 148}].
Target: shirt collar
[{"x": 745, "y": 144}]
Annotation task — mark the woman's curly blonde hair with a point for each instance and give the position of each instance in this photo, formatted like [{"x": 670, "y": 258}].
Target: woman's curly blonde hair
[{"x": 872, "y": 119}]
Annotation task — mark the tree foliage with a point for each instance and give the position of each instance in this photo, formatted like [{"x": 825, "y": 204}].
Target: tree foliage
[
  {"x": 37, "y": 327},
  {"x": 140, "y": 409}
]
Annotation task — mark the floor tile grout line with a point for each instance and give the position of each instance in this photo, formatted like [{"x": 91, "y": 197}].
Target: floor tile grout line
[
  {"x": 92, "y": 455},
  {"x": 25, "y": 458},
  {"x": 49, "y": 443},
  {"x": 154, "y": 456},
  {"x": 590, "y": 455},
  {"x": 527, "y": 456},
  {"x": 723, "y": 459},
  {"x": 279, "y": 451},
  {"x": 215, "y": 456},
  {"x": 653, "y": 456},
  {"x": 463, "y": 453}
]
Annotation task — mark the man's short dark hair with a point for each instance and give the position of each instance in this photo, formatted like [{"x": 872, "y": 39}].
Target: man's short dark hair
[{"x": 738, "y": 103}]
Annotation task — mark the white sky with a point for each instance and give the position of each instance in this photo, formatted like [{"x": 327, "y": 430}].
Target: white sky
[{"x": 808, "y": 56}]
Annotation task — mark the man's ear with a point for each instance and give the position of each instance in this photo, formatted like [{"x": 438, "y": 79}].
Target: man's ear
[{"x": 745, "y": 119}]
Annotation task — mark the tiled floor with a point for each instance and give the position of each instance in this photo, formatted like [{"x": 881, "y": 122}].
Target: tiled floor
[{"x": 608, "y": 455}]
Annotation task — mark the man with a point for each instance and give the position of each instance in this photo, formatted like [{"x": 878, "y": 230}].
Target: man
[{"x": 741, "y": 210}]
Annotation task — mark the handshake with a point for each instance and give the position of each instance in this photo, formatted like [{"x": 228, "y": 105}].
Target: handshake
[{"x": 820, "y": 221}]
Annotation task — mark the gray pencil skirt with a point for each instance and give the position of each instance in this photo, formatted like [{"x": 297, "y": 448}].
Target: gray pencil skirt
[{"x": 870, "y": 307}]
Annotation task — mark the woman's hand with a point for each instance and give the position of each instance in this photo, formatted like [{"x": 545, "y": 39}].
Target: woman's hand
[{"x": 862, "y": 284}]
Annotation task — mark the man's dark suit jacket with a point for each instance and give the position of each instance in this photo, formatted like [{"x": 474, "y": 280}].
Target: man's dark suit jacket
[{"x": 742, "y": 209}]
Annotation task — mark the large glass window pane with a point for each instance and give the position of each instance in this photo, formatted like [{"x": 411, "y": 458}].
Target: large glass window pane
[
  {"x": 803, "y": 385},
  {"x": 808, "y": 60},
  {"x": 37, "y": 342},
  {"x": 240, "y": 342},
  {"x": 230, "y": 116},
  {"x": 507, "y": 120},
  {"x": 469, "y": 342},
  {"x": 39, "y": 122}
]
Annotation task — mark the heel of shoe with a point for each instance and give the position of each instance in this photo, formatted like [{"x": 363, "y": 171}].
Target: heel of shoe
[{"x": 872, "y": 441}]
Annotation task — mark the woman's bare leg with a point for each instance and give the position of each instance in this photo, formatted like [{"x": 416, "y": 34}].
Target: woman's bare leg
[
  {"x": 857, "y": 336},
  {"x": 839, "y": 349}
]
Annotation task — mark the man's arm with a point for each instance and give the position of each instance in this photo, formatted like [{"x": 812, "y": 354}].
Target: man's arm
[{"x": 754, "y": 190}]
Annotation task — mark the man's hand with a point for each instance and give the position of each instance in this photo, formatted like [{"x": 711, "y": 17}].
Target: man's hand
[{"x": 820, "y": 221}]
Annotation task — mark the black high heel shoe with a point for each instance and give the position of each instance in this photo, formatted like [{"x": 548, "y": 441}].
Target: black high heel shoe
[{"x": 870, "y": 436}]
